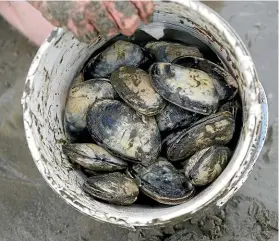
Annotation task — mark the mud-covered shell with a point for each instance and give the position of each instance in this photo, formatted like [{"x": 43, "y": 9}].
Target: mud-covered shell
[
  {"x": 89, "y": 173},
  {"x": 163, "y": 183},
  {"x": 167, "y": 51},
  {"x": 206, "y": 165},
  {"x": 216, "y": 129},
  {"x": 190, "y": 89},
  {"x": 232, "y": 106},
  {"x": 115, "y": 188},
  {"x": 118, "y": 128},
  {"x": 79, "y": 79},
  {"x": 121, "y": 53},
  {"x": 172, "y": 117},
  {"x": 134, "y": 86},
  {"x": 225, "y": 84},
  {"x": 93, "y": 157},
  {"x": 80, "y": 97}
]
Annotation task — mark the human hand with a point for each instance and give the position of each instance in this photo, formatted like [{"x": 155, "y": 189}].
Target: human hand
[{"x": 89, "y": 19}]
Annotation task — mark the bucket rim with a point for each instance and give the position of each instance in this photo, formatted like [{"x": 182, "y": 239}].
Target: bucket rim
[{"x": 217, "y": 193}]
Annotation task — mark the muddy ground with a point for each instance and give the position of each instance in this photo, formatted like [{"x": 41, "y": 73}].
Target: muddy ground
[{"x": 31, "y": 211}]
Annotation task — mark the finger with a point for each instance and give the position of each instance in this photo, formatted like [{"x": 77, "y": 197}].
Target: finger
[
  {"x": 71, "y": 26},
  {"x": 145, "y": 9},
  {"x": 98, "y": 16},
  {"x": 149, "y": 6},
  {"x": 82, "y": 30},
  {"x": 141, "y": 9},
  {"x": 90, "y": 34},
  {"x": 125, "y": 15}
]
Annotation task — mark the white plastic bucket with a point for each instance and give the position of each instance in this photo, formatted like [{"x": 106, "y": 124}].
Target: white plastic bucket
[{"x": 59, "y": 60}]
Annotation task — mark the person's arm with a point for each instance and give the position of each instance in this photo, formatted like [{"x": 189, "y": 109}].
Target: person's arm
[{"x": 88, "y": 19}]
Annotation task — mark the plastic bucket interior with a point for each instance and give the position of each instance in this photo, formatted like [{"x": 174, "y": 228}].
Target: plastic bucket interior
[{"x": 59, "y": 60}]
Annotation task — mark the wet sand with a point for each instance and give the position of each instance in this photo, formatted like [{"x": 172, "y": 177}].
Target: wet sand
[{"x": 30, "y": 210}]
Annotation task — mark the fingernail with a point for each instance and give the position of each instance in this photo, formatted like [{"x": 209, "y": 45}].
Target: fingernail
[
  {"x": 88, "y": 37},
  {"x": 84, "y": 38},
  {"x": 93, "y": 35}
]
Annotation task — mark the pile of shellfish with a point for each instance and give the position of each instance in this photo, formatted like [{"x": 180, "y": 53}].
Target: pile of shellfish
[{"x": 151, "y": 123}]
